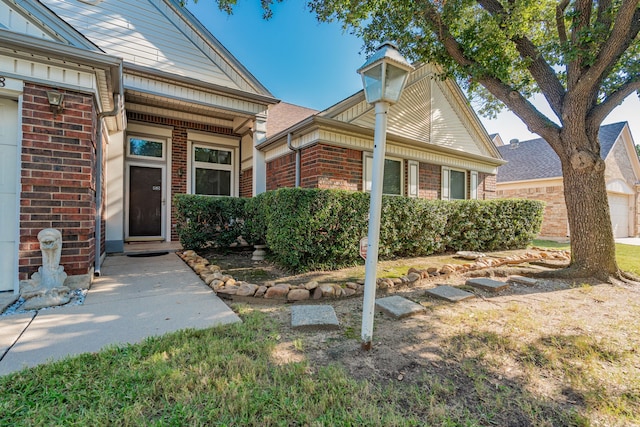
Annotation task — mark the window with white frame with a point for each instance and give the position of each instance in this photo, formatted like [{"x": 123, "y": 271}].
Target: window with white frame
[
  {"x": 212, "y": 172},
  {"x": 454, "y": 184},
  {"x": 392, "y": 183}
]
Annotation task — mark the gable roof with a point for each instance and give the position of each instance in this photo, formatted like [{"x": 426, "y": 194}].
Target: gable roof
[
  {"x": 157, "y": 35},
  {"x": 535, "y": 159}
]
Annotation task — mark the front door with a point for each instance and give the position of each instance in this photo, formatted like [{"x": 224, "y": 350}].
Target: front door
[{"x": 145, "y": 201}]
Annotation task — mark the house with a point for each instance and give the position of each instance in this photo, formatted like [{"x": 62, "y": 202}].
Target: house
[
  {"x": 436, "y": 146},
  {"x": 109, "y": 108},
  {"x": 152, "y": 106},
  {"x": 533, "y": 171}
]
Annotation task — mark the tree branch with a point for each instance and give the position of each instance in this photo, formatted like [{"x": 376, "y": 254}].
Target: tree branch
[
  {"x": 602, "y": 110},
  {"x": 582, "y": 16},
  {"x": 520, "y": 106},
  {"x": 541, "y": 71},
  {"x": 604, "y": 17},
  {"x": 562, "y": 29},
  {"x": 625, "y": 29}
]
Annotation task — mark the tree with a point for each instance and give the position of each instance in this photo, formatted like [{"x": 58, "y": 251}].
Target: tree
[{"x": 582, "y": 56}]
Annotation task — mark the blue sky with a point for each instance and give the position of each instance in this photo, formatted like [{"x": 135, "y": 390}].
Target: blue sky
[{"x": 314, "y": 65}]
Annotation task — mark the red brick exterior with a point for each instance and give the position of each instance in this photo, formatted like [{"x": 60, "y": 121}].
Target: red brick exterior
[
  {"x": 429, "y": 176},
  {"x": 326, "y": 166},
  {"x": 246, "y": 183},
  {"x": 554, "y": 223},
  {"x": 281, "y": 172},
  {"x": 322, "y": 166},
  {"x": 58, "y": 182},
  {"x": 486, "y": 186},
  {"x": 178, "y": 150}
]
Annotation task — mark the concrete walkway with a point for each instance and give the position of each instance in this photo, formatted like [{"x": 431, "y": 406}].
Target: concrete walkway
[
  {"x": 635, "y": 241},
  {"x": 133, "y": 299}
]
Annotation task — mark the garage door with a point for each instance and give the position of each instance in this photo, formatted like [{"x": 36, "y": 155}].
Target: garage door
[
  {"x": 619, "y": 208},
  {"x": 8, "y": 193}
]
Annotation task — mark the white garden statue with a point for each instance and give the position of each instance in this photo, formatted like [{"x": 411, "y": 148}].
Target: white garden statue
[{"x": 46, "y": 287}]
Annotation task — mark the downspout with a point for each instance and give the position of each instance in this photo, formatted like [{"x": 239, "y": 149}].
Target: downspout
[
  {"x": 297, "y": 151},
  {"x": 99, "y": 155}
]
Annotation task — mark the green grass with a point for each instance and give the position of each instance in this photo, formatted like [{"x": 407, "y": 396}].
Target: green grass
[
  {"x": 627, "y": 256},
  {"x": 227, "y": 376}
]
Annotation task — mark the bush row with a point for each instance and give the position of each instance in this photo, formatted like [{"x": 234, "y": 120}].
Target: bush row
[{"x": 308, "y": 229}]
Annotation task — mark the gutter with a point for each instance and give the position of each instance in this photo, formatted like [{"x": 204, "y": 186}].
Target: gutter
[
  {"x": 101, "y": 116},
  {"x": 298, "y": 155}
]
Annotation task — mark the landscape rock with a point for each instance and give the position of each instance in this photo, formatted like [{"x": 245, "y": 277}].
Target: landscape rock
[
  {"x": 413, "y": 277},
  {"x": 247, "y": 290},
  {"x": 260, "y": 291},
  {"x": 298, "y": 295},
  {"x": 279, "y": 291},
  {"x": 470, "y": 254},
  {"x": 229, "y": 290},
  {"x": 327, "y": 290},
  {"x": 351, "y": 285},
  {"x": 311, "y": 285}
]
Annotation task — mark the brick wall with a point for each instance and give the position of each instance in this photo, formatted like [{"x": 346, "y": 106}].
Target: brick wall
[
  {"x": 246, "y": 183},
  {"x": 58, "y": 179},
  {"x": 486, "y": 186},
  {"x": 178, "y": 150},
  {"x": 554, "y": 223},
  {"x": 429, "y": 181},
  {"x": 281, "y": 172}
]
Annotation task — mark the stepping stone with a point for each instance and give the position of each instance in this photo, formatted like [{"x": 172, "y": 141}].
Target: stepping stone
[
  {"x": 487, "y": 284},
  {"x": 449, "y": 293},
  {"x": 314, "y": 318},
  {"x": 398, "y": 307},
  {"x": 528, "y": 281}
]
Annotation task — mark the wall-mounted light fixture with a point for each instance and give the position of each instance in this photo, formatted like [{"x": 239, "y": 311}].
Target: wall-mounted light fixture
[
  {"x": 180, "y": 172},
  {"x": 55, "y": 101}
]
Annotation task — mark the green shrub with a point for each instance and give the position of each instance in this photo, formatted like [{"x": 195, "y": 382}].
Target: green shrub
[
  {"x": 204, "y": 221},
  {"x": 308, "y": 229}
]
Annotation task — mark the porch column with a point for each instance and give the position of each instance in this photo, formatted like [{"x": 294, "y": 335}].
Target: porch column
[{"x": 259, "y": 162}]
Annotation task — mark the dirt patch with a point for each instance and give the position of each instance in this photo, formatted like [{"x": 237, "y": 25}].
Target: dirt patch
[{"x": 556, "y": 353}]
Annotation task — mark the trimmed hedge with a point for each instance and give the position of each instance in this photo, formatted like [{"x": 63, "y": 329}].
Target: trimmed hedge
[{"x": 309, "y": 229}]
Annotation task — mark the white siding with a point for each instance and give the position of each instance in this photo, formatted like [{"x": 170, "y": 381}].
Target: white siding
[
  {"x": 150, "y": 34},
  {"x": 16, "y": 22},
  {"x": 447, "y": 127}
]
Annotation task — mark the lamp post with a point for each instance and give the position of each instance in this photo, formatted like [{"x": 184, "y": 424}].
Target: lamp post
[{"x": 384, "y": 75}]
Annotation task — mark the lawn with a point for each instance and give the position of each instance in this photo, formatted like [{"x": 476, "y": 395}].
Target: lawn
[{"x": 628, "y": 256}]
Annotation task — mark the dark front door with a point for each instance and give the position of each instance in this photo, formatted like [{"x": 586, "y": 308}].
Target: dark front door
[{"x": 145, "y": 201}]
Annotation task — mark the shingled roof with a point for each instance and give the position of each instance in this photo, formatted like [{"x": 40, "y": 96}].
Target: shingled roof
[
  {"x": 535, "y": 159},
  {"x": 282, "y": 116}
]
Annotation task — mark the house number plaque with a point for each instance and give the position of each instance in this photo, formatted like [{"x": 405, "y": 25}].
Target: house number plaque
[
  {"x": 3, "y": 82},
  {"x": 156, "y": 188}
]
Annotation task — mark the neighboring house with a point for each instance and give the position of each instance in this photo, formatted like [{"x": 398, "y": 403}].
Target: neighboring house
[
  {"x": 436, "y": 146},
  {"x": 533, "y": 171},
  {"x": 153, "y": 106}
]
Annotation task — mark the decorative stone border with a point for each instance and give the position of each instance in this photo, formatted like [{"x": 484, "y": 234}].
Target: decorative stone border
[{"x": 226, "y": 285}]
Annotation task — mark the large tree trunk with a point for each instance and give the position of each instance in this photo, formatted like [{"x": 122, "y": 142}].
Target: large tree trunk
[{"x": 585, "y": 192}]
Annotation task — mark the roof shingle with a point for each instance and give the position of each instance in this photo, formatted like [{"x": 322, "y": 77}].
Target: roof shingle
[{"x": 535, "y": 159}]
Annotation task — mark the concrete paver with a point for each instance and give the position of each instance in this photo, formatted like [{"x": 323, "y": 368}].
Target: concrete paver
[
  {"x": 487, "y": 284},
  {"x": 449, "y": 293},
  {"x": 314, "y": 317},
  {"x": 133, "y": 299},
  {"x": 398, "y": 307},
  {"x": 527, "y": 281}
]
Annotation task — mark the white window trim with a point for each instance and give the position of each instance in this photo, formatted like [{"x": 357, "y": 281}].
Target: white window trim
[
  {"x": 444, "y": 182},
  {"x": 413, "y": 178},
  {"x": 233, "y": 167},
  {"x": 146, "y": 138},
  {"x": 474, "y": 185},
  {"x": 369, "y": 155}
]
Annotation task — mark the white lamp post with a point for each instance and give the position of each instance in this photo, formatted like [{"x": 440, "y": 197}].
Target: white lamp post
[{"x": 383, "y": 77}]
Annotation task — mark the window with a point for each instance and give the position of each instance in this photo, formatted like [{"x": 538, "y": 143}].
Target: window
[
  {"x": 454, "y": 184},
  {"x": 414, "y": 179},
  {"x": 150, "y": 149},
  {"x": 392, "y": 182},
  {"x": 212, "y": 171},
  {"x": 474, "y": 185}
]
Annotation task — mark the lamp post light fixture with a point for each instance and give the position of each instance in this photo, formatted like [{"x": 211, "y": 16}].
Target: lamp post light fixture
[{"x": 384, "y": 75}]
